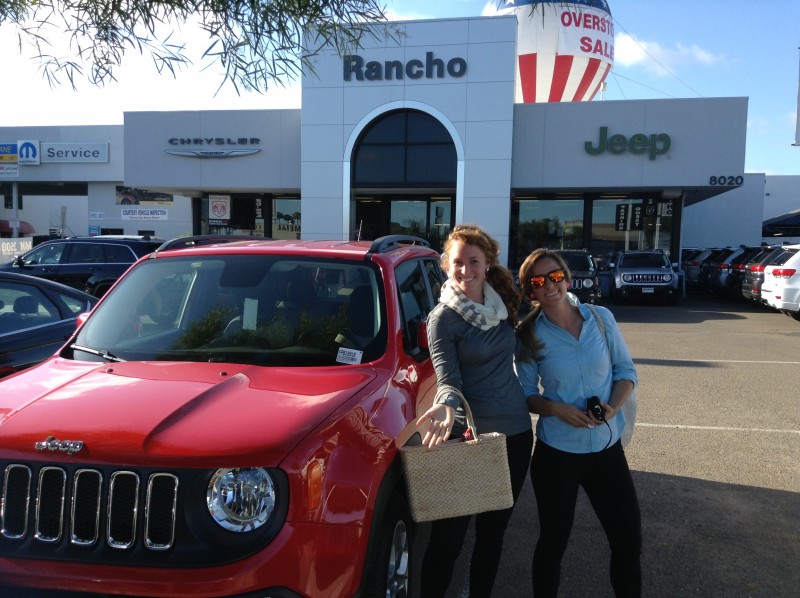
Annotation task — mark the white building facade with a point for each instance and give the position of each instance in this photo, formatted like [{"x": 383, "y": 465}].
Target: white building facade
[{"x": 413, "y": 133}]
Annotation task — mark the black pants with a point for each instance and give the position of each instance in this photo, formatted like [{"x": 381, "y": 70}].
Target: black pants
[
  {"x": 607, "y": 480},
  {"x": 447, "y": 535}
]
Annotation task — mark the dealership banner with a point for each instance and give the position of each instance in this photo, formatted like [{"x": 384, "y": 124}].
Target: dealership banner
[{"x": 145, "y": 214}]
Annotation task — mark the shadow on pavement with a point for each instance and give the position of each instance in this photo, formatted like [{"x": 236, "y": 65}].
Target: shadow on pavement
[{"x": 700, "y": 538}]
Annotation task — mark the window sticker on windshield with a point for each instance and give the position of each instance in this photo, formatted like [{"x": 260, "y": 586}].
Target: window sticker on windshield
[
  {"x": 250, "y": 315},
  {"x": 351, "y": 356}
]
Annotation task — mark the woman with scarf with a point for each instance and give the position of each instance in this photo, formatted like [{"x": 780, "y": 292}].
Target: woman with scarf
[{"x": 472, "y": 342}]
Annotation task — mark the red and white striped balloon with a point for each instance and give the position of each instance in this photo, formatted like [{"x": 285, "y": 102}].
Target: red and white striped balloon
[{"x": 565, "y": 50}]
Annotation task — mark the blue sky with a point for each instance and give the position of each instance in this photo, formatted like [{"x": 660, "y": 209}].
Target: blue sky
[{"x": 677, "y": 49}]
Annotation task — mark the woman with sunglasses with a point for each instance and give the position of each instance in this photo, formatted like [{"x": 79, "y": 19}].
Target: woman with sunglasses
[
  {"x": 564, "y": 361},
  {"x": 472, "y": 343}
]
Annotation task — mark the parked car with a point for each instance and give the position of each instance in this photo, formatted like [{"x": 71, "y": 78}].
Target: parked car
[
  {"x": 644, "y": 275},
  {"x": 226, "y": 422},
  {"x": 781, "y": 285},
  {"x": 725, "y": 274},
  {"x": 754, "y": 272},
  {"x": 90, "y": 264},
  {"x": 37, "y": 317},
  {"x": 706, "y": 266},
  {"x": 687, "y": 253},
  {"x": 693, "y": 265},
  {"x": 585, "y": 285}
]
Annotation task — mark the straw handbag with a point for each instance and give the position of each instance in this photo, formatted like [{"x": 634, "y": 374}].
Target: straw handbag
[{"x": 458, "y": 477}]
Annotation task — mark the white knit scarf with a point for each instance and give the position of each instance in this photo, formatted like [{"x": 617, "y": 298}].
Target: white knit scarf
[{"x": 484, "y": 316}]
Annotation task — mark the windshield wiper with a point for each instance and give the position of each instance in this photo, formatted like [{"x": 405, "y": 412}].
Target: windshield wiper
[{"x": 108, "y": 356}]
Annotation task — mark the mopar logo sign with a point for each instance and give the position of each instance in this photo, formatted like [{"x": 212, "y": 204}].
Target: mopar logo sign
[{"x": 28, "y": 152}]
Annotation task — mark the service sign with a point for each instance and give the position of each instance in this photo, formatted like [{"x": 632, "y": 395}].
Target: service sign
[{"x": 75, "y": 152}]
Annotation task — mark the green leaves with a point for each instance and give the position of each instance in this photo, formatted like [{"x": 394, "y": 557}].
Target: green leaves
[{"x": 257, "y": 42}]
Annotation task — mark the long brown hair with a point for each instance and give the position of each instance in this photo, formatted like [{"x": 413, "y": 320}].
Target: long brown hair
[
  {"x": 526, "y": 330},
  {"x": 498, "y": 276}
]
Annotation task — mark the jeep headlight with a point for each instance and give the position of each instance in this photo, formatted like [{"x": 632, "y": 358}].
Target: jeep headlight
[
  {"x": 667, "y": 278},
  {"x": 627, "y": 277},
  {"x": 241, "y": 499}
]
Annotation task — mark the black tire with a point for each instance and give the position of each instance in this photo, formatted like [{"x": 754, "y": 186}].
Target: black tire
[{"x": 387, "y": 570}]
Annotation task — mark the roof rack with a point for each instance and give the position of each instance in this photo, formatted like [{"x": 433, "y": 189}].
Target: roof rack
[
  {"x": 389, "y": 242},
  {"x": 194, "y": 241}
]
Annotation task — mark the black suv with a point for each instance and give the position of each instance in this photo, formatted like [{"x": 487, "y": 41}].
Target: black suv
[
  {"x": 585, "y": 284},
  {"x": 90, "y": 264},
  {"x": 645, "y": 275}
]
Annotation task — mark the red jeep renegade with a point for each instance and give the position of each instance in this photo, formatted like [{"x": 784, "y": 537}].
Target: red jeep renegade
[{"x": 225, "y": 423}]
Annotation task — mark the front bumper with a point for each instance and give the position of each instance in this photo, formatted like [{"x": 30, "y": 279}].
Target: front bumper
[
  {"x": 303, "y": 560},
  {"x": 647, "y": 290}
]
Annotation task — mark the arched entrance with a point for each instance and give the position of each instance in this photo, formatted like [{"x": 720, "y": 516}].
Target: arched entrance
[{"x": 404, "y": 173}]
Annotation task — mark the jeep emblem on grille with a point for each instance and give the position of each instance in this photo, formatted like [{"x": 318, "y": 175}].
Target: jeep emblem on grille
[{"x": 54, "y": 444}]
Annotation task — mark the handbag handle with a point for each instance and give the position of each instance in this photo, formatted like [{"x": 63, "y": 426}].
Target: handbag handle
[
  {"x": 601, "y": 325},
  {"x": 445, "y": 389}
]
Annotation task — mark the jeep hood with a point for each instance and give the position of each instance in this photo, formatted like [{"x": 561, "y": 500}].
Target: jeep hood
[{"x": 170, "y": 413}]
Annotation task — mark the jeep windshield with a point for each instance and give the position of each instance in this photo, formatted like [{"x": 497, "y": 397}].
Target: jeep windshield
[
  {"x": 644, "y": 260},
  {"x": 249, "y": 309},
  {"x": 578, "y": 262}
]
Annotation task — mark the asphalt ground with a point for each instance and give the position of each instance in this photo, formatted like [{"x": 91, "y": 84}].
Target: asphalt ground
[{"x": 715, "y": 458}]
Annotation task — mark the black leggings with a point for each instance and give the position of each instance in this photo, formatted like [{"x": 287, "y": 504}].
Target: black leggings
[
  {"x": 447, "y": 535},
  {"x": 607, "y": 480}
]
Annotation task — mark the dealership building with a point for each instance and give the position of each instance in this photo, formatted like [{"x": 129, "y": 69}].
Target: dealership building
[{"x": 420, "y": 129}]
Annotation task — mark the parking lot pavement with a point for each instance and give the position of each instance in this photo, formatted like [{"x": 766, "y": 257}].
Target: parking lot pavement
[{"x": 715, "y": 458}]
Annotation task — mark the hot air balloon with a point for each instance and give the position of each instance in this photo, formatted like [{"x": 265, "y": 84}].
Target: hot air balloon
[{"x": 565, "y": 49}]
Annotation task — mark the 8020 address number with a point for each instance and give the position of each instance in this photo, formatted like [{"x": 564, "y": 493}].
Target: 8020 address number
[{"x": 727, "y": 181}]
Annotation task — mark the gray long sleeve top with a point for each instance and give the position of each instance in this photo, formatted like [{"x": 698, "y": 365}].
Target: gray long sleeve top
[{"x": 481, "y": 364}]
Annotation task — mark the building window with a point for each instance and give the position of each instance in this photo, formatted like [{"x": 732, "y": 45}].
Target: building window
[
  {"x": 602, "y": 223},
  {"x": 405, "y": 148},
  {"x": 631, "y": 223},
  {"x": 555, "y": 222},
  {"x": 286, "y": 218}
]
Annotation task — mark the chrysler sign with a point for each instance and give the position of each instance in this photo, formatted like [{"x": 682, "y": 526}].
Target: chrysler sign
[{"x": 213, "y": 147}]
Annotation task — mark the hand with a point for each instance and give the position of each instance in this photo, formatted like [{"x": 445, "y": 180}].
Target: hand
[
  {"x": 439, "y": 420},
  {"x": 574, "y": 416},
  {"x": 610, "y": 411}
]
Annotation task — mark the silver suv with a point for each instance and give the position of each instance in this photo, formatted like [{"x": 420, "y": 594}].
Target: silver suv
[{"x": 643, "y": 275}]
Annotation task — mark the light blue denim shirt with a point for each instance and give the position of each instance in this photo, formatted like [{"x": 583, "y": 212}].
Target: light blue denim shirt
[{"x": 571, "y": 370}]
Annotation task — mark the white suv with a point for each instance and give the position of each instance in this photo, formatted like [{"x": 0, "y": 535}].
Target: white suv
[{"x": 781, "y": 286}]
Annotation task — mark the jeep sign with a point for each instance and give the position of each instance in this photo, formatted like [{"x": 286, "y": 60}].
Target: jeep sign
[{"x": 639, "y": 144}]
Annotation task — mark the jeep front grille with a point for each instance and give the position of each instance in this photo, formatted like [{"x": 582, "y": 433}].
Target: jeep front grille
[
  {"x": 86, "y": 510},
  {"x": 647, "y": 278}
]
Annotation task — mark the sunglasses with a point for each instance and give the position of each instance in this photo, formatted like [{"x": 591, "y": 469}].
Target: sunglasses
[{"x": 556, "y": 276}]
